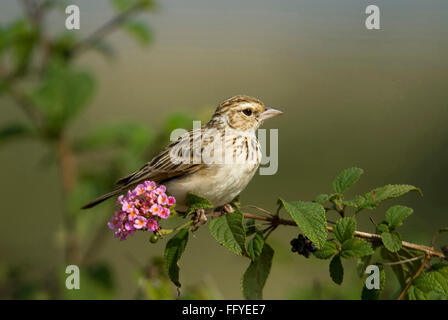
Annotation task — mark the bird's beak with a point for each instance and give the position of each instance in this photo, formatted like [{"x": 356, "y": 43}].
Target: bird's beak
[{"x": 269, "y": 113}]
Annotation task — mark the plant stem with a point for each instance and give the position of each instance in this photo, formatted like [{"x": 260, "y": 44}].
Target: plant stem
[
  {"x": 105, "y": 29},
  {"x": 419, "y": 271},
  {"x": 67, "y": 169},
  {"x": 364, "y": 235}
]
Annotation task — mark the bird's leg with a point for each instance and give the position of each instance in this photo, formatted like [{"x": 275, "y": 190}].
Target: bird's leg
[
  {"x": 220, "y": 211},
  {"x": 227, "y": 208},
  {"x": 199, "y": 218}
]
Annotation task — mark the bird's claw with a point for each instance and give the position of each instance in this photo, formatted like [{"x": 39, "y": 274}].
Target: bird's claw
[
  {"x": 227, "y": 209},
  {"x": 199, "y": 218}
]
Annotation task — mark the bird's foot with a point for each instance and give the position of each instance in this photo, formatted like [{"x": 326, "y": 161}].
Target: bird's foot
[
  {"x": 227, "y": 209},
  {"x": 199, "y": 218}
]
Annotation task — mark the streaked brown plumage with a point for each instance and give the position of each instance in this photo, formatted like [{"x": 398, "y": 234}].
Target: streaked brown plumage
[{"x": 229, "y": 133}]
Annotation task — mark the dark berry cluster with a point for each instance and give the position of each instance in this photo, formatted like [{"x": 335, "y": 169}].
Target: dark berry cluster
[{"x": 302, "y": 245}]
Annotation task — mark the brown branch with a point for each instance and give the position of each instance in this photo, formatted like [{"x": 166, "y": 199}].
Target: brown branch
[
  {"x": 401, "y": 261},
  {"x": 371, "y": 237},
  {"x": 25, "y": 104},
  {"x": 419, "y": 271}
]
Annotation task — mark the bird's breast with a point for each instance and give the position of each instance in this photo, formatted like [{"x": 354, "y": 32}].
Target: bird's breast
[{"x": 220, "y": 182}]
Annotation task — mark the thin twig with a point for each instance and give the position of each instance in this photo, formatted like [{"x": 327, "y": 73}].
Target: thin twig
[
  {"x": 105, "y": 29},
  {"x": 401, "y": 261},
  {"x": 25, "y": 104},
  {"x": 259, "y": 209},
  {"x": 371, "y": 237},
  {"x": 419, "y": 271}
]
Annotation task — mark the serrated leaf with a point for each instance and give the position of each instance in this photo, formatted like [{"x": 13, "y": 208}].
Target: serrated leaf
[
  {"x": 329, "y": 249},
  {"x": 392, "y": 241},
  {"x": 255, "y": 246},
  {"x": 356, "y": 248},
  {"x": 195, "y": 202},
  {"x": 256, "y": 274},
  {"x": 229, "y": 231},
  {"x": 435, "y": 280},
  {"x": 174, "y": 249},
  {"x": 382, "y": 227},
  {"x": 371, "y": 199},
  {"x": 250, "y": 227},
  {"x": 396, "y": 215},
  {"x": 310, "y": 218},
  {"x": 321, "y": 198},
  {"x": 336, "y": 270},
  {"x": 346, "y": 179},
  {"x": 415, "y": 293},
  {"x": 374, "y": 294},
  {"x": 344, "y": 229}
]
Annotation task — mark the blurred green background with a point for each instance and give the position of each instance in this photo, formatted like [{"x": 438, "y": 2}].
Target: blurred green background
[{"x": 351, "y": 97}]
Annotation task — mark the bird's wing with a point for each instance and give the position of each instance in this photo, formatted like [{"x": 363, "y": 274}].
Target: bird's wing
[{"x": 177, "y": 159}]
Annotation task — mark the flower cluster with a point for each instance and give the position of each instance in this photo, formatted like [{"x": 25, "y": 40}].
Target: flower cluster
[{"x": 141, "y": 209}]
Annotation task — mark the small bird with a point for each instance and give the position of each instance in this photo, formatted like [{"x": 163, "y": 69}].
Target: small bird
[{"x": 215, "y": 161}]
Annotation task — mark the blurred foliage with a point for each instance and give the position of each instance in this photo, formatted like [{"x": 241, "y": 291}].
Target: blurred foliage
[{"x": 39, "y": 74}]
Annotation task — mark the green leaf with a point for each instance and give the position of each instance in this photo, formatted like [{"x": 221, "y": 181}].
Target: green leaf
[
  {"x": 391, "y": 240},
  {"x": 362, "y": 264},
  {"x": 250, "y": 227},
  {"x": 329, "y": 249},
  {"x": 346, "y": 179},
  {"x": 382, "y": 227},
  {"x": 310, "y": 217},
  {"x": 356, "y": 248},
  {"x": 139, "y": 30},
  {"x": 229, "y": 231},
  {"x": 122, "y": 5},
  {"x": 175, "y": 247},
  {"x": 21, "y": 38},
  {"x": 62, "y": 95},
  {"x": 396, "y": 214},
  {"x": 255, "y": 246},
  {"x": 344, "y": 229},
  {"x": 321, "y": 198},
  {"x": 371, "y": 199},
  {"x": 400, "y": 270},
  {"x": 195, "y": 202},
  {"x": 256, "y": 274},
  {"x": 102, "y": 274},
  {"x": 336, "y": 269},
  {"x": 435, "y": 280},
  {"x": 444, "y": 229},
  {"x": 374, "y": 294},
  {"x": 15, "y": 130}
]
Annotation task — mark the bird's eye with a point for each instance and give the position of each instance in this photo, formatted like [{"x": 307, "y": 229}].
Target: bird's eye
[{"x": 247, "y": 112}]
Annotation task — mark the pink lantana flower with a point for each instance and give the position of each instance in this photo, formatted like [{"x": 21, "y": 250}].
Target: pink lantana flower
[
  {"x": 164, "y": 213},
  {"x": 140, "y": 222},
  {"x": 152, "y": 224},
  {"x": 155, "y": 209},
  {"x": 171, "y": 201},
  {"x": 141, "y": 209}
]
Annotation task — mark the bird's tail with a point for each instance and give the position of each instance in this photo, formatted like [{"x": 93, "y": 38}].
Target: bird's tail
[{"x": 103, "y": 197}]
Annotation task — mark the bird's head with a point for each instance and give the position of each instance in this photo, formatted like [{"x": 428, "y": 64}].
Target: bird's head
[{"x": 243, "y": 113}]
